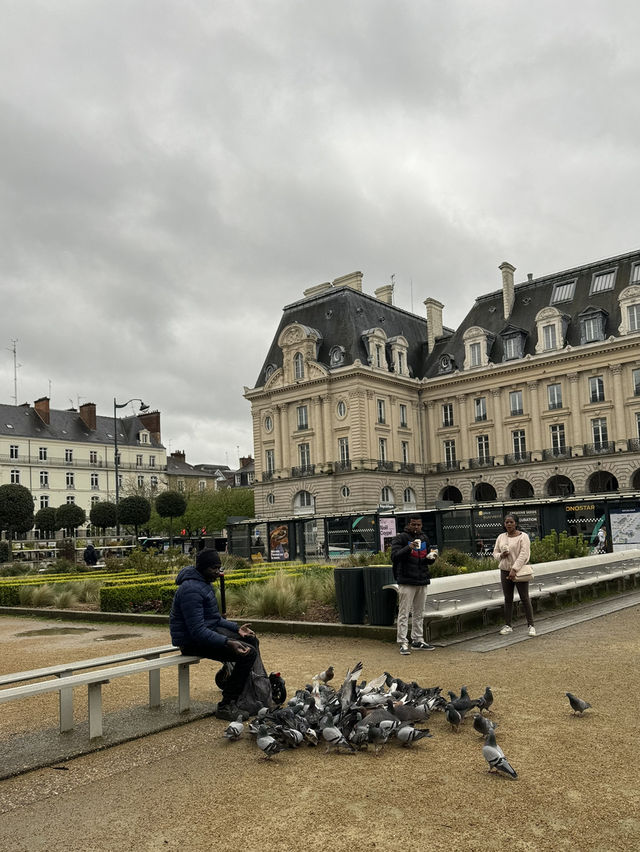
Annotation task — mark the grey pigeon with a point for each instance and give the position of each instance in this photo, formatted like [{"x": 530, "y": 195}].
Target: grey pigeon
[
  {"x": 453, "y": 717},
  {"x": 494, "y": 756},
  {"x": 378, "y": 736},
  {"x": 577, "y": 704},
  {"x": 407, "y": 734},
  {"x": 234, "y": 730},
  {"x": 487, "y": 700},
  {"x": 334, "y": 738},
  {"x": 482, "y": 725},
  {"x": 268, "y": 744}
]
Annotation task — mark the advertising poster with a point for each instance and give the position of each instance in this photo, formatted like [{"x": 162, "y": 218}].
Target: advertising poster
[
  {"x": 279, "y": 543},
  {"x": 387, "y": 532}
]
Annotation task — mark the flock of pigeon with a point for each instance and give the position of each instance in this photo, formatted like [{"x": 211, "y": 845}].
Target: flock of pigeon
[{"x": 361, "y": 714}]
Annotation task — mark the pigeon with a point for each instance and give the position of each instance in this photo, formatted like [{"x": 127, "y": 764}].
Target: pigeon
[
  {"x": 267, "y": 743},
  {"x": 234, "y": 730},
  {"x": 577, "y": 704},
  {"x": 325, "y": 676},
  {"x": 486, "y": 700},
  {"x": 378, "y": 736},
  {"x": 494, "y": 756},
  {"x": 408, "y": 734},
  {"x": 335, "y": 738},
  {"x": 482, "y": 725},
  {"x": 347, "y": 692},
  {"x": 453, "y": 717},
  {"x": 464, "y": 702}
]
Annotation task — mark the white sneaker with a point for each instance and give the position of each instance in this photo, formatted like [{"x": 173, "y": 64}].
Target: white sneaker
[
  {"x": 404, "y": 649},
  {"x": 505, "y": 630},
  {"x": 532, "y": 630}
]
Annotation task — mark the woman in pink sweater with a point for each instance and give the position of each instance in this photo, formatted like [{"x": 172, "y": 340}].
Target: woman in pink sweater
[{"x": 512, "y": 551}]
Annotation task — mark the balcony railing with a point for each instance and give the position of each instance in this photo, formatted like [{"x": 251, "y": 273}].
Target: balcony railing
[
  {"x": 385, "y": 465},
  {"x": 633, "y": 445},
  {"x": 303, "y": 470},
  {"x": 517, "y": 458},
  {"x": 441, "y": 467},
  {"x": 343, "y": 464},
  {"x": 556, "y": 453},
  {"x": 601, "y": 448},
  {"x": 267, "y": 475},
  {"x": 481, "y": 461},
  {"x": 407, "y": 467},
  {"x": 77, "y": 463}
]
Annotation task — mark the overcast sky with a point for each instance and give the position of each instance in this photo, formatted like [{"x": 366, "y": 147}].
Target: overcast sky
[{"x": 174, "y": 172}]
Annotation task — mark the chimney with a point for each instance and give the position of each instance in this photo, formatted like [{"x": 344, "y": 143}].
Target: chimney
[
  {"x": 245, "y": 460},
  {"x": 42, "y": 409},
  {"x": 434, "y": 322},
  {"x": 353, "y": 280},
  {"x": 88, "y": 415},
  {"x": 179, "y": 455},
  {"x": 508, "y": 292},
  {"x": 151, "y": 421},
  {"x": 385, "y": 294},
  {"x": 316, "y": 289}
]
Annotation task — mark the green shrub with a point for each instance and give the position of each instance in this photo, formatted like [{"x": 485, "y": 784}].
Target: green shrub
[
  {"x": 63, "y": 566},
  {"x": 25, "y": 595},
  {"x": 15, "y": 569},
  {"x": 5, "y": 551},
  {"x": 237, "y": 563}
]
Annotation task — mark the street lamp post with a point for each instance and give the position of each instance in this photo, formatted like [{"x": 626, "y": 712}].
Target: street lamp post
[{"x": 116, "y": 458}]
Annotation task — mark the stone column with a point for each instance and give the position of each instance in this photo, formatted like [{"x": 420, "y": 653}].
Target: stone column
[
  {"x": 434, "y": 452},
  {"x": 576, "y": 411},
  {"x": 617, "y": 429},
  {"x": 371, "y": 417},
  {"x": 284, "y": 437},
  {"x": 359, "y": 435},
  {"x": 498, "y": 420},
  {"x": 463, "y": 423},
  {"x": 534, "y": 401},
  {"x": 327, "y": 432}
]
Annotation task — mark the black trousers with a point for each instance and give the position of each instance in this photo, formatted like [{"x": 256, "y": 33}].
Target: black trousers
[
  {"x": 523, "y": 593},
  {"x": 243, "y": 663}
]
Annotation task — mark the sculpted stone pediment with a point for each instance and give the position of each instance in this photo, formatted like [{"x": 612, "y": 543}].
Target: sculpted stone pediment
[
  {"x": 275, "y": 380},
  {"x": 296, "y": 333}
]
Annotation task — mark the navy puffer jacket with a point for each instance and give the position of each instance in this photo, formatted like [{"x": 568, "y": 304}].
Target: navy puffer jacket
[{"x": 195, "y": 616}]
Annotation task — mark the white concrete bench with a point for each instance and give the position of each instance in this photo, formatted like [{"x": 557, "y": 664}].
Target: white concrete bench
[
  {"x": 62, "y": 679},
  {"x": 481, "y": 591}
]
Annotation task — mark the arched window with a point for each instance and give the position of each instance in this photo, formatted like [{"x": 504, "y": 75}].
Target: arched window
[
  {"x": 298, "y": 366},
  {"x": 386, "y": 495},
  {"x": 409, "y": 496},
  {"x": 303, "y": 503}
]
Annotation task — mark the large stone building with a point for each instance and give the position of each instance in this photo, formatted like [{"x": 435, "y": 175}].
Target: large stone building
[
  {"x": 361, "y": 405},
  {"x": 68, "y": 456}
]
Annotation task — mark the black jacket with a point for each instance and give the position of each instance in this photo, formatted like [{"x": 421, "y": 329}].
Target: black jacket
[
  {"x": 410, "y": 569},
  {"x": 195, "y": 616}
]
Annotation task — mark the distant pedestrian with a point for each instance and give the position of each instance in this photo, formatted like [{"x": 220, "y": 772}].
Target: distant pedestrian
[
  {"x": 512, "y": 550},
  {"x": 601, "y": 544},
  {"x": 90, "y": 555}
]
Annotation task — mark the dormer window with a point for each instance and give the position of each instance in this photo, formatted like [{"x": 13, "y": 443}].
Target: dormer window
[
  {"x": 629, "y": 301},
  {"x": 375, "y": 341},
  {"x": 300, "y": 346},
  {"x": 336, "y": 356},
  {"x": 552, "y": 327},
  {"x": 477, "y": 343},
  {"x": 512, "y": 343},
  {"x": 592, "y": 325},
  {"x": 399, "y": 346},
  {"x": 298, "y": 366},
  {"x": 635, "y": 274},
  {"x": 445, "y": 363},
  {"x": 603, "y": 281}
]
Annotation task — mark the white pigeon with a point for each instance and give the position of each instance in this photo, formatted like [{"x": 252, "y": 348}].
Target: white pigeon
[{"x": 234, "y": 731}]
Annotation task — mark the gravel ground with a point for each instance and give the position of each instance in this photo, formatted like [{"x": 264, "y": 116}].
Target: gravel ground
[{"x": 190, "y": 789}]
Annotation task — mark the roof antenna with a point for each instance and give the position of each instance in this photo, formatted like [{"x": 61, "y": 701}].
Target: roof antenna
[{"x": 15, "y": 370}]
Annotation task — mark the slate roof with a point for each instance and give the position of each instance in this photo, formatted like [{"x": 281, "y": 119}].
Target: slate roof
[
  {"x": 341, "y": 315},
  {"x": 22, "y": 421},
  {"x": 531, "y": 297}
]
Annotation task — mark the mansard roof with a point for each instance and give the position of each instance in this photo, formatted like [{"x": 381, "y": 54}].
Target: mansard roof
[
  {"x": 341, "y": 315},
  {"x": 532, "y": 296},
  {"x": 22, "y": 421}
]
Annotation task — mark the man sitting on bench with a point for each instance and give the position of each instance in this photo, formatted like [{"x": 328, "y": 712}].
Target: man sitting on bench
[{"x": 198, "y": 629}]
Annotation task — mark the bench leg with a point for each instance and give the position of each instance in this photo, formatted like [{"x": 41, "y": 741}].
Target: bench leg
[
  {"x": 184, "y": 700},
  {"x": 154, "y": 688},
  {"x": 95, "y": 710},
  {"x": 66, "y": 710}
]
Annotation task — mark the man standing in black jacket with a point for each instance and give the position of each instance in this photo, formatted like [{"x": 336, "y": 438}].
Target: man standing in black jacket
[{"x": 411, "y": 556}]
